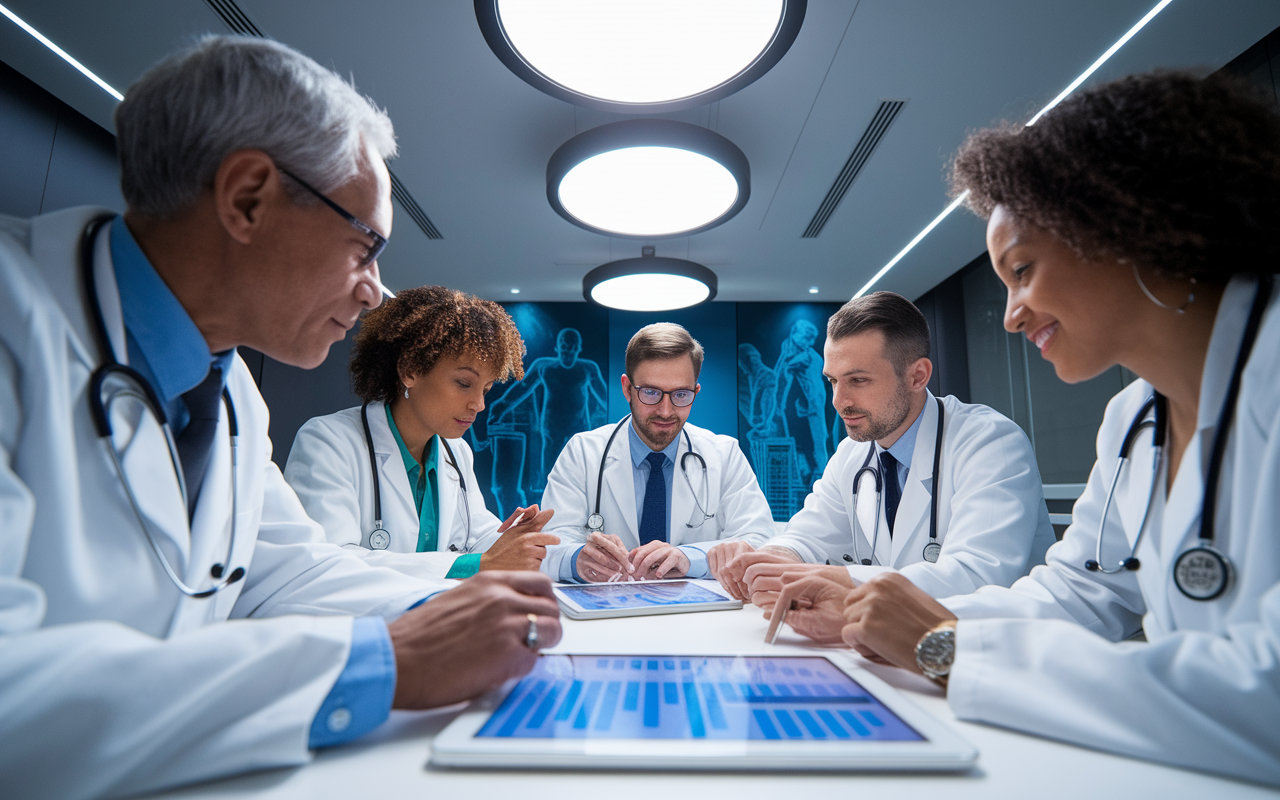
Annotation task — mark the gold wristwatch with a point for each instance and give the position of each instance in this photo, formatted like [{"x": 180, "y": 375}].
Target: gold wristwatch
[{"x": 936, "y": 650}]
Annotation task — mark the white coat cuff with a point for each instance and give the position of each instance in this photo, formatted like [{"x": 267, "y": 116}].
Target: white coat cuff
[{"x": 861, "y": 573}]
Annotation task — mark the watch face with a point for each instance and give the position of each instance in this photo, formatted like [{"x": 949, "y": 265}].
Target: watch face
[{"x": 936, "y": 651}]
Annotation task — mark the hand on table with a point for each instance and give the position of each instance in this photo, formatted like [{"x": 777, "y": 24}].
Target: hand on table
[
  {"x": 657, "y": 560},
  {"x": 814, "y": 607},
  {"x": 887, "y": 616},
  {"x": 603, "y": 559},
  {"x": 723, "y": 553},
  {"x": 732, "y": 573},
  {"x": 765, "y": 580},
  {"x": 470, "y": 639},
  {"x": 523, "y": 545}
]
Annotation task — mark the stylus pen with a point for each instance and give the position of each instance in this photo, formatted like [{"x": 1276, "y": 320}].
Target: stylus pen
[{"x": 782, "y": 620}]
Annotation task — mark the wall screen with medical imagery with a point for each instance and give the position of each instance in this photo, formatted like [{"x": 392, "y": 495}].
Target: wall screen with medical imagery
[{"x": 684, "y": 697}]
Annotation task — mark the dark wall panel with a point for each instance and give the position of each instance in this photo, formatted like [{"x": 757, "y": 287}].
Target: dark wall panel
[{"x": 29, "y": 119}]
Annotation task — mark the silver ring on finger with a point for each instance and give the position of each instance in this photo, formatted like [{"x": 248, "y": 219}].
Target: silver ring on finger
[{"x": 531, "y": 638}]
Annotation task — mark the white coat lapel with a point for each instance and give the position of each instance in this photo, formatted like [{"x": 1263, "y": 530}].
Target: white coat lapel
[
  {"x": 911, "y": 525},
  {"x": 682, "y": 508},
  {"x": 620, "y": 483},
  {"x": 448, "y": 521},
  {"x": 399, "y": 512},
  {"x": 866, "y": 507}
]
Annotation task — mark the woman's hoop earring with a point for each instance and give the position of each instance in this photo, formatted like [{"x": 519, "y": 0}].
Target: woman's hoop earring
[{"x": 1191, "y": 296}]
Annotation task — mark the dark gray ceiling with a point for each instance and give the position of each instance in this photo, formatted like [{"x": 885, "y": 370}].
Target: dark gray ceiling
[{"x": 475, "y": 139}]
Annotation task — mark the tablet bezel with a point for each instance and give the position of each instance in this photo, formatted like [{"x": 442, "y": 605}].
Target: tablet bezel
[
  {"x": 941, "y": 750},
  {"x": 573, "y": 610}
]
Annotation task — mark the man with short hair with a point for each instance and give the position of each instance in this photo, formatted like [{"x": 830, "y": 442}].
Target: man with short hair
[
  {"x": 987, "y": 508},
  {"x": 168, "y": 612},
  {"x": 662, "y": 499}
]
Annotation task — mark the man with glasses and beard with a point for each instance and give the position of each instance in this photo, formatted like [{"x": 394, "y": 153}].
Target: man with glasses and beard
[
  {"x": 662, "y": 498},
  {"x": 990, "y": 524}
]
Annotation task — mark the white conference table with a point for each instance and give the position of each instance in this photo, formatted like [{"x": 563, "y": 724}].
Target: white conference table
[{"x": 391, "y": 762}]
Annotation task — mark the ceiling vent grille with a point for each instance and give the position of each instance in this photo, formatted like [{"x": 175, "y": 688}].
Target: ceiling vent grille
[
  {"x": 236, "y": 19},
  {"x": 411, "y": 207},
  {"x": 239, "y": 22},
  {"x": 884, "y": 117}
]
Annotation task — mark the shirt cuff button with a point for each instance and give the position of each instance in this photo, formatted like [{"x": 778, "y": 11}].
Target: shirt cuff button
[{"x": 339, "y": 719}]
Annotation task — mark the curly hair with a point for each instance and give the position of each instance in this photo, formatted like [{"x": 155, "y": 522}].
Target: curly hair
[
  {"x": 1167, "y": 170},
  {"x": 410, "y": 334}
]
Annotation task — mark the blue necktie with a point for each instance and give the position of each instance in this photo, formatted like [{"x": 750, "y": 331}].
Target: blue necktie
[
  {"x": 892, "y": 494},
  {"x": 195, "y": 443},
  {"x": 653, "y": 519}
]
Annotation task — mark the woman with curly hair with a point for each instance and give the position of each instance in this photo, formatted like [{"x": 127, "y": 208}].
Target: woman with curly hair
[
  {"x": 1137, "y": 224},
  {"x": 422, "y": 363}
]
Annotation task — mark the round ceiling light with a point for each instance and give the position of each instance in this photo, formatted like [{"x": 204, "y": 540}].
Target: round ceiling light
[
  {"x": 648, "y": 178},
  {"x": 649, "y": 283},
  {"x": 640, "y": 56}
]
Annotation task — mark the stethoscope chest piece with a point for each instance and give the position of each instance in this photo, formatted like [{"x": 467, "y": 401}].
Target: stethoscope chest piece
[
  {"x": 931, "y": 552},
  {"x": 596, "y": 522},
  {"x": 1202, "y": 573},
  {"x": 379, "y": 539}
]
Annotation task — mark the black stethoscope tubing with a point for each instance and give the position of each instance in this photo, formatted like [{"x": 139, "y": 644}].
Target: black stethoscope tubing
[
  {"x": 595, "y": 522},
  {"x": 1204, "y": 553},
  {"x": 98, "y": 411},
  {"x": 385, "y": 538},
  {"x": 932, "y": 548}
]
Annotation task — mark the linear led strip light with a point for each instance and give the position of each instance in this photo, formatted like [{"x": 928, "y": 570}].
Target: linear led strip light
[
  {"x": 63, "y": 54},
  {"x": 1084, "y": 76}
]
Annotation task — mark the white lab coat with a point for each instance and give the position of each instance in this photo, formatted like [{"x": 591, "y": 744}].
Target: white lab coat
[
  {"x": 111, "y": 681},
  {"x": 992, "y": 522},
  {"x": 329, "y": 469},
  {"x": 1047, "y": 655},
  {"x": 730, "y": 492}
]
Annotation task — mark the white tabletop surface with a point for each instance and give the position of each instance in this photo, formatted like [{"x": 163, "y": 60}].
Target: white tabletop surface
[{"x": 391, "y": 762}]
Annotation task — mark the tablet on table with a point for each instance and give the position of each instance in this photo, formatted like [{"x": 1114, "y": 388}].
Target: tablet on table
[
  {"x": 637, "y": 598},
  {"x": 700, "y": 712}
]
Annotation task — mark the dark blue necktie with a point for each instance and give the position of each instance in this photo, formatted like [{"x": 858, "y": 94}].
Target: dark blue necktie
[
  {"x": 653, "y": 515},
  {"x": 195, "y": 443},
  {"x": 889, "y": 471}
]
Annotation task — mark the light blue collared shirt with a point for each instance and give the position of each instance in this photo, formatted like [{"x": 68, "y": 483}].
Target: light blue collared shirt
[
  {"x": 167, "y": 348},
  {"x": 902, "y": 449}
]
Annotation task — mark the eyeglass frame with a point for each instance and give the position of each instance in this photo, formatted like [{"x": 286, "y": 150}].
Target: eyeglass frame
[
  {"x": 672, "y": 394},
  {"x": 379, "y": 241}
]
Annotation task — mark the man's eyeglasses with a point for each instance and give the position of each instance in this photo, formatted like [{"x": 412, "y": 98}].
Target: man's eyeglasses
[
  {"x": 679, "y": 397},
  {"x": 379, "y": 241}
]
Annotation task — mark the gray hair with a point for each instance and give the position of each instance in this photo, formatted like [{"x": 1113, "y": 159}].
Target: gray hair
[{"x": 186, "y": 114}]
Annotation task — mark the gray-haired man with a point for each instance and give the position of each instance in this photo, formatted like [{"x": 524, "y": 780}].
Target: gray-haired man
[{"x": 155, "y": 630}]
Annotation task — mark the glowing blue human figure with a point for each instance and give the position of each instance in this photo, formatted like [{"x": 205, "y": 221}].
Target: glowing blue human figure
[
  {"x": 573, "y": 398},
  {"x": 802, "y": 399}
]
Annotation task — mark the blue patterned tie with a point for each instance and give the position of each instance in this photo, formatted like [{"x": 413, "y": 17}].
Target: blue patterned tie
[
  {"x": 653, "y": 520},
  {"x": 892, "y": 494}
]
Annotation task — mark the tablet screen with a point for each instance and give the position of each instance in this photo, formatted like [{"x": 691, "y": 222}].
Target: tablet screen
[
  {"x": 599, "y": 596},
  {"x": 684, "y": 697}
]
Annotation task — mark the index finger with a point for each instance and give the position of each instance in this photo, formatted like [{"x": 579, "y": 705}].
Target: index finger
[
  {"x": 523, "y": 581},
  {"x": 612, "y": 546},
  {"x": 517, "y": 514}
]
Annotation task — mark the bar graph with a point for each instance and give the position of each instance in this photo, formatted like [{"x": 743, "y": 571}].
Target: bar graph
[{"x": 684, "y": 697}]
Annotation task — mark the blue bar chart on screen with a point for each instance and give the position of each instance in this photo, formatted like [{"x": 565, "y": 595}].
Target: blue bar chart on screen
[{"x": 683, "y": 697}]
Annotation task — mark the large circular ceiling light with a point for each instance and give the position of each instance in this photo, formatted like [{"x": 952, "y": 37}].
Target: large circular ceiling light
[
  {"x": 640, "y": 56},
  {"x": 648, "y": 178},
  {"x": 649, "y": 283}
]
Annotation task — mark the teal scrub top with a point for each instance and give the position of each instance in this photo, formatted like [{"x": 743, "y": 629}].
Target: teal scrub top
[{"x": 423, "y": 478}]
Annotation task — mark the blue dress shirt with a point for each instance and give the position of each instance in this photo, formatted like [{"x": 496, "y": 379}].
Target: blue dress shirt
[{"x": 167, "y": 349}]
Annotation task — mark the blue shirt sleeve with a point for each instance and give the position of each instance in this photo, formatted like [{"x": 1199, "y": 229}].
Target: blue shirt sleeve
[
  {"x": 572, "y": 571},
  {"x": 361, "y": 699},
  {"x": 697, "y": 562}
]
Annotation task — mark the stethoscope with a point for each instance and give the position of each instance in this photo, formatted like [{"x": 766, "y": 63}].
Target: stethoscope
[
  {"x": 595, "y": 522},
  {"x": 932, "y": 548},
  {"x": 379, "y": 538},
  {"x": 141, "y": 390},
  {"x": 1201, "y": 571}
]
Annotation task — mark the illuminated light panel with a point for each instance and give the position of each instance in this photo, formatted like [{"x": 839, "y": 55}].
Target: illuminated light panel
[
  {"x": 650, "y": 292},
  {"x": 648, "y": 191},
  {"x": 1075, "y": 84},
  {"x": 63, "y": 54},
  {"x": 641, "y": 51}
]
